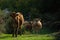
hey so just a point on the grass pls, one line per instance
(26, 37)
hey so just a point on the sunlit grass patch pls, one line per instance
(26, 37)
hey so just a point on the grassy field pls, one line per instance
(26, 37)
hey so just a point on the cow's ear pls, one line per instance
(16, 14)
(40, 19)
(13, 14)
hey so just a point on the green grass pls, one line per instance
(26, 37)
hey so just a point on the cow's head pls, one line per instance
(13, 14)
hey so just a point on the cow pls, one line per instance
(33, 26)
(27, 26)
(17, 20)
(36, 25)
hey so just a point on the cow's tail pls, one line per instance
(18, 22)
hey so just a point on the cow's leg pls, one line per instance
(33, 29)
(13, 33)
(20, 30)
(16, 32)
(37, 31)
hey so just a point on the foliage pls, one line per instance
(2, 22)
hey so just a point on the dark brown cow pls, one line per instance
(17, 20)
(36, 25)
(28, 26)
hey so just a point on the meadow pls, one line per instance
(26, 37)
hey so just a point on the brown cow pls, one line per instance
(17, 20)
(36, 25)
(28, 26)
